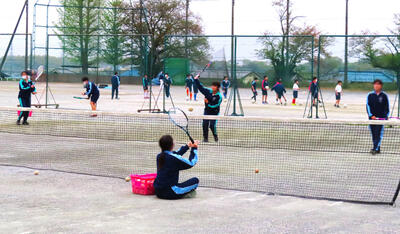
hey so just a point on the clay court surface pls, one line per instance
(131, 99)
(54, 202)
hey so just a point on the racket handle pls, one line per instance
(191, 139)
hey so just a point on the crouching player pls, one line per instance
(93, 93)
(169, 163)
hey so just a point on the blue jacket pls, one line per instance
(115, 80)
(214, 100)
(25, 89)
(378, 105)
(168, 174)
(91, 89)
(278, 88)
(225, 84)
(189, 82)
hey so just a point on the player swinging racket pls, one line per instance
(264, 88)
(377, 108)
(92, 92)
(26, 88)
(225, 84)
(169, 163)
(212, 101)
(189, 87)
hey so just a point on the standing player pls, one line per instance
(377, 108)
(169, 163)
(115, 82)
(189, 87)
(338, 93)
(314, 91)
(295, 91)
(145, 83)
(265, 87)
(212, 101)
(167, 81)
(280, 91)
(92, 92)
(26, 88)
(254, 89)
(195, 89)
(225, 84)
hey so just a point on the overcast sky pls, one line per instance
(258, 16)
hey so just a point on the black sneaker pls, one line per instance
(18, 122)
(378, 151)
(205, 140)
(373, 152)
(25, 123)
(216, 138)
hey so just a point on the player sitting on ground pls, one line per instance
(169, 163)
(279, 90)
(26, 88)
(225, 84)
(92, 92)
(377, 108)
(295, 91)
(145, 83)
(189, 87)
(254, 89)
(265, 87)
(338, 93)
(212, 101)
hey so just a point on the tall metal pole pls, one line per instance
(287, 39)
(186, 28)
(346, 45)
(26, 32)
(233, 59)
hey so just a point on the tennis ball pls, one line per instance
(127, 179)
(36, 172)
(190, 109)
(256, 171)
(225, 100)
(345, 105)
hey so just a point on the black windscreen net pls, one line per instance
(308, 158)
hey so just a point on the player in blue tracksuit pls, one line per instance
(115, 83)
(225, 84)
(189, 87)
(195, 89)
(254, 89)
(167, 84)
(314, 89)
(145, 84)
(93, 93)
(280, 91)
(169, 163)
(377, 108)
(212, 101)
(26, 88)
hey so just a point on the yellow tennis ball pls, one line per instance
(36, 172)
(190, 109)
(127, 179)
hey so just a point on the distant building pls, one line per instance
(368, 76)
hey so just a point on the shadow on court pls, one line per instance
(60, 202)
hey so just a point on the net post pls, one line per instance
(47, 69)
(396, 194)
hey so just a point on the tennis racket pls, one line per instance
(206, 67)
(39, 73)
(76, 97)
(180, 119)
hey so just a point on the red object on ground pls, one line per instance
(143, 184)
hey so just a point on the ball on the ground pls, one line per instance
(190, 109)
(127, 179)
(225, 100)
(36, 172)
(345, 105)
(256, 171)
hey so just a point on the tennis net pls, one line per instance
(307, 158)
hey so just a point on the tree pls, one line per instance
(165, 17)
(294, 47)
(81, 18)
(114, 42)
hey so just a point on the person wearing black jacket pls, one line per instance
(26, 88)
(212, 102)
(377, 109)
(115, 83)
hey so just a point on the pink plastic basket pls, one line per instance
(30, 113)
(143, 184)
